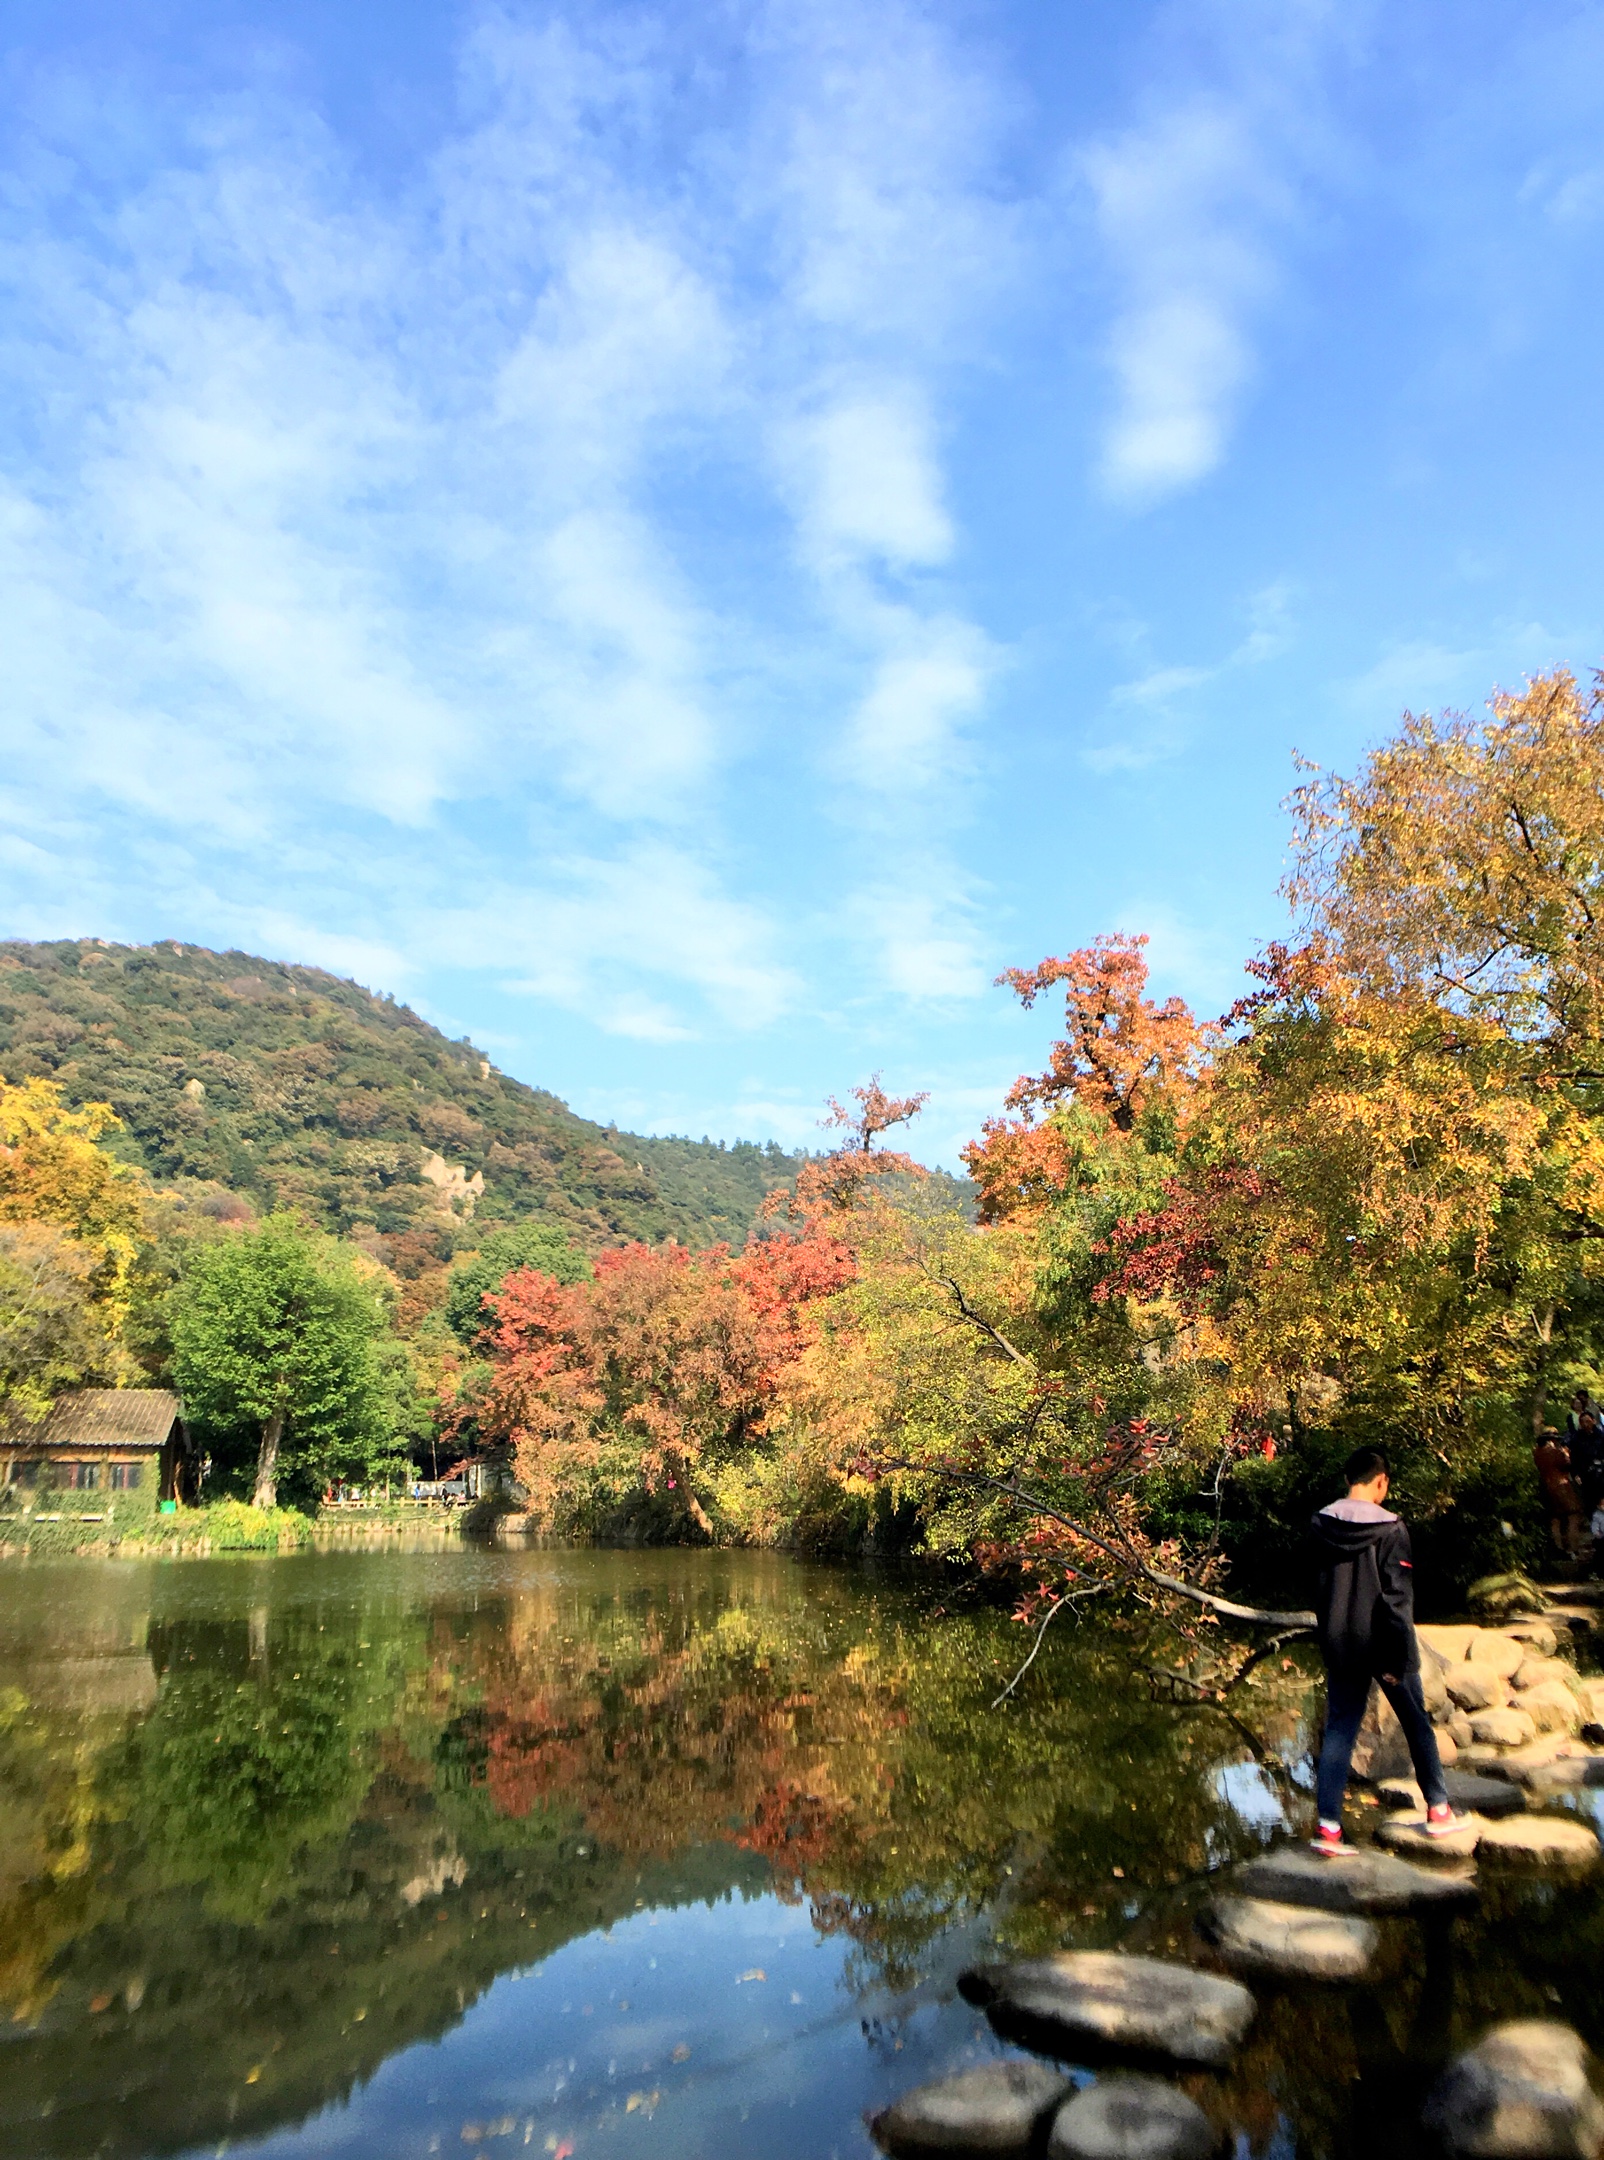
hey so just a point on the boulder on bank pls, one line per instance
(1475, 1687)
(1448, 1644)
(1523, 2092)
(1367, 1882)
(1534, 1667)
(1099, 2000)
(1296, 1942)
(1553, 1706)
(1503, 1728)
(1537, 1635)
(1129, 2117)
(1492, 1647)
(998, 2108)
(1520, 1765)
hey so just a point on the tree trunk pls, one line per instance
(267, 1461)
(1543, 1322)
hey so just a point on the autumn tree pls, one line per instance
(274, 1333)
(668, 1358)
(55, 1168)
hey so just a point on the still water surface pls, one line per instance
(616, 1853)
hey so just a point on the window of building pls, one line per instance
(80, 1476)
(125, 1476)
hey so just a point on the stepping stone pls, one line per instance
(1557, 1838)
(1098, 1999)
(1520, 1765)
(1521, 2093)
(1568, 1771)
(1483, 1795)
(1407, 1833)
(1367, 1882)
(998, 2108)
(1467, 1791)
(1298, 1942)
(1129, 2117)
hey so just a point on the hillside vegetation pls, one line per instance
(302, 1091)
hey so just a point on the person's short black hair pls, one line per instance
(1364, 1464)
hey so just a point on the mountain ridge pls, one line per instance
(294, 1087)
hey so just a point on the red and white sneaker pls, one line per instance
(1443, 1820)
(1328, 1839)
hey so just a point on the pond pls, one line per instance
(600, 1853)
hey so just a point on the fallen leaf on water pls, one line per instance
(682, 2053)
(757, 1973)
(97, 2003)
(472, 2133)
(251, 2076)
(642, 2100)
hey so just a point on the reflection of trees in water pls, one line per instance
(338, 1824)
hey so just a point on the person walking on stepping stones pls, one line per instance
(1365, 1611)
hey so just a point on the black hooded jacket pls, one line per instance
(1364, 1592)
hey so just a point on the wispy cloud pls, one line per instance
(1194, 203)
(1150, 716)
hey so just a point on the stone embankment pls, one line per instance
(1521, 1728)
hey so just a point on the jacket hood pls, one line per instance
(1348, 1526)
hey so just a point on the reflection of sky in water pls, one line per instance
(712, 2029)
(1245, 1789)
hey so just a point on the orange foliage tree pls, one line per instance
(664, 1363)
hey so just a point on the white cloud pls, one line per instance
(869, 484)
(1193, 203)
(591, 934)
(904, 736)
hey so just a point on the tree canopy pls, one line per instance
(274, 1339)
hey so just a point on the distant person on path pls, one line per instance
(1365, 1610)
(1581, 1404)
(1562, 1496)
(1587, 1459)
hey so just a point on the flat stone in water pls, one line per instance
(1299, 1942)
(1521, 2093)
(998, 2108)
(1569, 1770)
(1129, 2117)
(1408, 1834)
(1366, 1882)
(1098, 1999)
(1466, 1790)
(1558, 1838)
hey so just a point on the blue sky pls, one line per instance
(682, 541)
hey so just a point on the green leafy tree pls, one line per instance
(533, 1245)
(275, 1337)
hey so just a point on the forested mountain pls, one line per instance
(298, 1089)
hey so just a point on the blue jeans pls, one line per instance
(1346, 1697)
